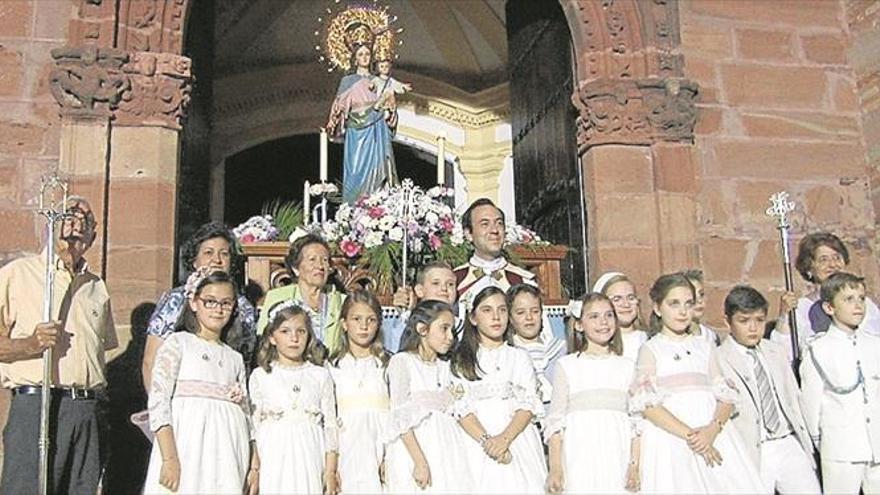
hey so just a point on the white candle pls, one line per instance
(307, 203)
(441, 159)
(323, 162)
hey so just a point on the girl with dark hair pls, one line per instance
(685, 400)
(358, 370)
(423, 436)
(589, 407)
(294, 407)
(819, 256)
(308, 261)
(199, 409)
(211, 248)
(498, 401)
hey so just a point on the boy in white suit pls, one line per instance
(841, 381)
(768, 414)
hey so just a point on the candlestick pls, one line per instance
(441, 159)
(323, 155)
(307, 203)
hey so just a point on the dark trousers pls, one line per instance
(74, 446)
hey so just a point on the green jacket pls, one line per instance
(330, 335)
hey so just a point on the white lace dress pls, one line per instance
(421, 401)
(295, 421)
(589, 407)
(683, 376)
(199, 390)
(507, 384)
(362, 406)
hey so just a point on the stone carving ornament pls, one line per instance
(158, 91)
(635, 111)
(88, 82)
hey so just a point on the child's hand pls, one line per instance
(404, 298)
(701, 439)
(555, 481)
(331, 483)
(422, 475)
(506, 458)
(712, 457)
(633, 480)
(252, 482)
(169, 475)
(407, 86)
(496, 446)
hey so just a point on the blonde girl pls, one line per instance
(589, 407)
(294, 407)
(358, 370)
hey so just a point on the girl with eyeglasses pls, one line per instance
(199, 409)
(618, 288)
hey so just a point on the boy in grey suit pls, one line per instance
(768, 414)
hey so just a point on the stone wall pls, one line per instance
(778, 111)
(29, 123)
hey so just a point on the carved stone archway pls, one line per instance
(635, 135)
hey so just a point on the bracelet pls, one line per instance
(719, 424)
(484, 438)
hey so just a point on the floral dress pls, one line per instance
(295, 422)
(199, 390)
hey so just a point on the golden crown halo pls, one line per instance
(353, 26)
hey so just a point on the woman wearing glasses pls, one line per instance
(820, 255)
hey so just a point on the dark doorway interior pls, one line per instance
(277, 169)
(548, 189)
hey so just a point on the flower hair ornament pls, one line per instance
(281, 306)
(195, 278)
(575, 308)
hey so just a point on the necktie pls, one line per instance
(765, 392)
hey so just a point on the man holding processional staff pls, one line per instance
(80, 332)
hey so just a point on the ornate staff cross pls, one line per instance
(780, 207)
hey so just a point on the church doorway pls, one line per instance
(501, 102)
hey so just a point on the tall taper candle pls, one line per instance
(307, 204)
(323, 170)
(441, 159)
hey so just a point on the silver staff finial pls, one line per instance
(53, 194)
(780, 207)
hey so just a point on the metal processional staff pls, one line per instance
(779, 209)
(52, 204)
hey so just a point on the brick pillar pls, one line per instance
(127, 168)
(640, 182)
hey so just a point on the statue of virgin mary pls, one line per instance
(355, 119)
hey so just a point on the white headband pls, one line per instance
(600, 284)
(575, 308)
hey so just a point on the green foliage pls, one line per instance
(383, 262)
(286, 215)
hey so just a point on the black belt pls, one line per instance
(75, 393)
